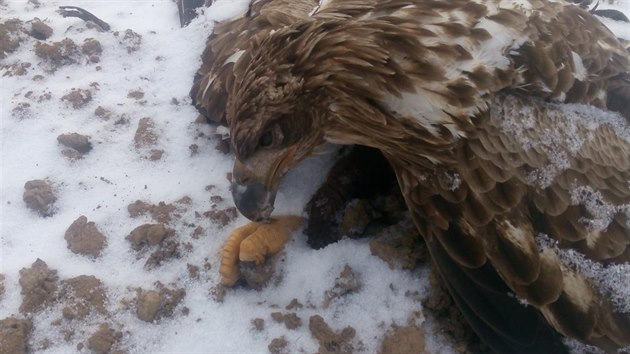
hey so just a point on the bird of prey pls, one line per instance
(478, 106)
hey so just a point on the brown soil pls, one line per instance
(152, 305)
(39, 286)
(347, 282)
(136, 94)
(161, 212)
(290, 320)
(77, 98)
(408, 339)
(257, 277)
(103, 340)
(130, 39)
(39, 196)
(40, 30)
(16, 69)
(400, 246)
(84, 294)
(329, 341)
(259, 324)
(278, 346)
(1, 286)
(222, 217)
(11, 35)
(92, 49)
(84, 238)
(14, 333)
(58, 54)
(148, 235)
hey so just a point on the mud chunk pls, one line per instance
(408, 339)
(58, 54)
(11, 34)
(148, 235)
(329, 341)
(222, 217)
(78, 142)
(92, 49)
(1, 286)
(103, 113)
(356, 218)
(294, 304)
(168, 249)
(130, 39)
(347, 282)
(38, 196)
(193, 271)
(145, 133)
(399, 246)
(102, 341)
(153, 305)
(40, 30)
(258, 276)
(77, 98)
(156, 154)
(84, 238)
(85, 293)
(160, 212)
(14, 334)
(194, 149)
(16, 69)
(22, 111)
(136, 94)
(39, 286)
(259, 324)
(278, 346)
(290, 320)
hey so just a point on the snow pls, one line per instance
(115, 174)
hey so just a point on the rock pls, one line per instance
(329, 341)
(40, 30)
(38, 196)
(14, 334)
(39, 286)
(408, 339)
(78, 142)
(84, 238)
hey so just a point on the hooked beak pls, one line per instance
(255, 183)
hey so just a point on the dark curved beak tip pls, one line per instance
(253, 201)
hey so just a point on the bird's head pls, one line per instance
(273, 126)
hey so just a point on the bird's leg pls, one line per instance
(253, 243)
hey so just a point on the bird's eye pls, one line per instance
(266, 139)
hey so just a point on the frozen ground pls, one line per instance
(134, 79)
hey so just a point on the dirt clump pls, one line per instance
(347, 282)
(85, 293)
(147, 137)
(168, 249)
(130, 40)
(290, 320)
(39, 196)
(39, 286)
(259, 324)
(104, 339)
(409, 339)
(14, 333)
(1, 286)
(16, 69)
(222, 217)
(294, 304)
(278, 346)
(258, 276)
(40, 30)
(162, 212)
(148, 235)
(11, 35)
(77, 98)
(152, 305)
(329, 341)
(103, 113)
(92, 49)
(58, 54)
(400, 246)
(136, 94)
(77, 142)
(84, 238)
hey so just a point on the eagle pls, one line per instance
(476, 106)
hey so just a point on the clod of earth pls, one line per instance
(92, 49)
(148, 235)
(329, 341)
(84, 294)
(152, 305)
(222, 217)
(58, 54)
(399, 246)
(130, 39)
(39, 286)
(409, 339)
(2, 277)
(77, 98)
(347, 282)
(84, 238)
(102, 341)
(290, 320)
(11, 35)
(278, 346)
(78, 142)
(161, 212)
(38, 196)
(40, 30)
(14, 335)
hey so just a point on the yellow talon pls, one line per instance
(253, 243)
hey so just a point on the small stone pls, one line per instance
(84, 238)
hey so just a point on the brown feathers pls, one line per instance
(468, 102)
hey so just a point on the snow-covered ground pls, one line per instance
(118, 171)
